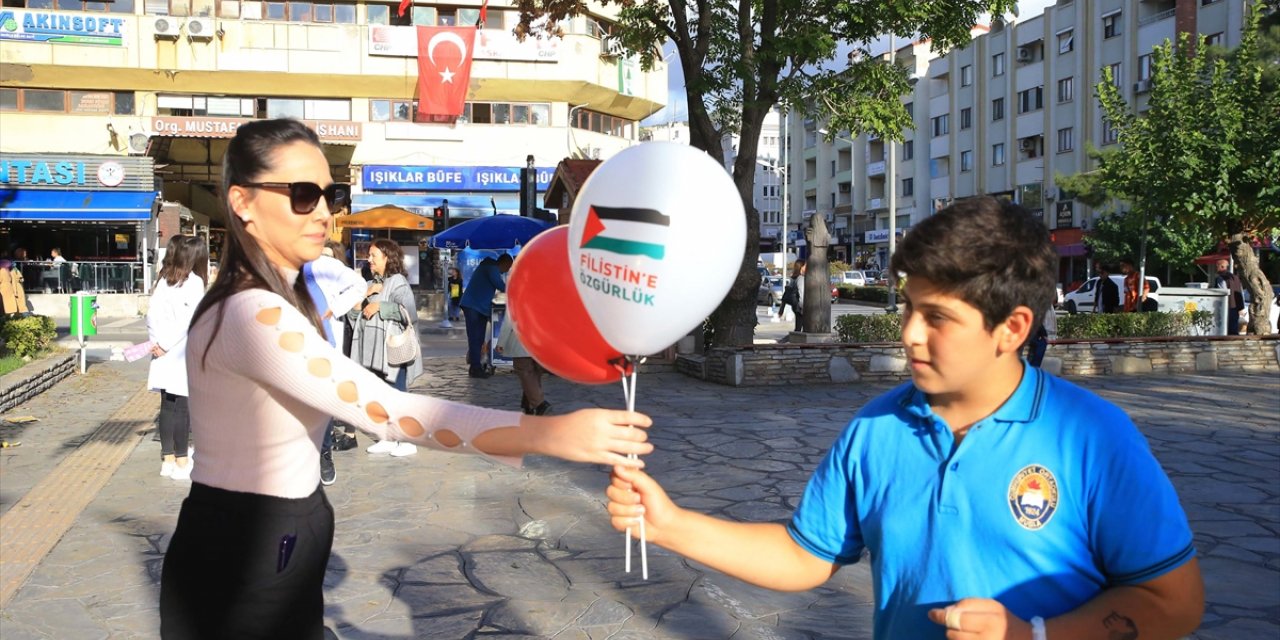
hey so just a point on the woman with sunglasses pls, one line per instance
(248, 556)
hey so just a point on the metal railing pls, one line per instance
(1157, 17)
(81, 275)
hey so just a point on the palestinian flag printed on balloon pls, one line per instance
(627, 231)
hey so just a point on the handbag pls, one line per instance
(403, 347)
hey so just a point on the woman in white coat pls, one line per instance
(174, 300)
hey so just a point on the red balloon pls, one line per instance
(551, 320)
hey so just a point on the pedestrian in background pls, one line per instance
(793, 294)
(527, 370)
(1133, 299)
(388, 306)
(1107, 298)
(248, 556)
(1235, 295)
(178, 291)
(455, 294)
(342, 289)
(477, 306)
(991, 499)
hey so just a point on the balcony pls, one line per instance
(1156, 17)
(875, 203)
(876, 168)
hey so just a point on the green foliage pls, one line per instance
(28, 336)
(742, 59)
(1090, 326)
(870, 294)
(837, 267)
(880, 327)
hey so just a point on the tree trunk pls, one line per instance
(1254, 280)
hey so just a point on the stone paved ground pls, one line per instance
(442, 547)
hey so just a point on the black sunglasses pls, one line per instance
(304, 196)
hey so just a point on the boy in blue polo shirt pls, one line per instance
(995, 500)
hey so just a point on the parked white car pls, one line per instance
(1081, 300)
(855, 278)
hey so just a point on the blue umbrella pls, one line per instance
(499, 231)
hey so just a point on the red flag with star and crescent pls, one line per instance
(444, 69)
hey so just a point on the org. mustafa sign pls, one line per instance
(61, 27)
(378, 177)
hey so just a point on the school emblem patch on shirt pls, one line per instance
(1033, 496)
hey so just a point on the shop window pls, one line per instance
(44, 100)
(89, 101)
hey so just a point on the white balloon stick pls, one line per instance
(629, 396)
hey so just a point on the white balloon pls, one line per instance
(656, 239)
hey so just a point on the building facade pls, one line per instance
(171, 80)
(767, 193)
(1004, 116)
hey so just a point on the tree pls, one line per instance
(1202, 159)
(741, 59)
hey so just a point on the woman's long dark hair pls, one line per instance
(244, 265)
(184, 256)
(395, 257)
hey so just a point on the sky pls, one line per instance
(677, 109)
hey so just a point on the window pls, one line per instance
(74, 5)
(1145, 66)
(1115, 74)
(601, 123)
(997, 64)
(908, 187)
(942, 125)
(1213, 39)
(908, 149)
(1066, 42)
(966, 118)
(44, 100)
(1031, 146)
(966, 75)
(1031, 99)
(1109, 133)
(1111, 25)
(833, 167)
(939, 168)
(8, 99)
(911, 110)
(1065, 90)
(1205, 3)
(997, 154)
(1065, 142)
(966, 161)
(997, 109)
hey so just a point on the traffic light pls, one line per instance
(439, 219)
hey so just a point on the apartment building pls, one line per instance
(767, 193)
(1005, 115)
(140, 97)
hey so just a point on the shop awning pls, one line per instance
(37, 205)
(1071, 250)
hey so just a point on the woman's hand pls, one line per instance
(370, 310)
(373, 288)
(633, 494)
(157, 351)
(601, 436)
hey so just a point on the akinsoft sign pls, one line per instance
(62, 27)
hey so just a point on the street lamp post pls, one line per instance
(891, 178)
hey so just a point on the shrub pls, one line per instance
(880, 327)
(870, 294)
(29, 336)
(1087, 326)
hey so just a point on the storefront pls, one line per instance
(95, 210)
(471, 192)
(1068, 241)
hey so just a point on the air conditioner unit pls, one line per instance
(166, 28)
(1027, 144)
(1142, 86)
(138, 143)
(1025, 54)
(200, 28)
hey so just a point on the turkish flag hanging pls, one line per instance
(444, 69)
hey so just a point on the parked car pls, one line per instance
(855, 278)
(770, 291)
(1081, 300)
(881, 279)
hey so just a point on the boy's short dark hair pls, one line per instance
(990, 253)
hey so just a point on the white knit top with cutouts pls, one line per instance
(262, 397)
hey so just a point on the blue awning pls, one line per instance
(42, 204)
